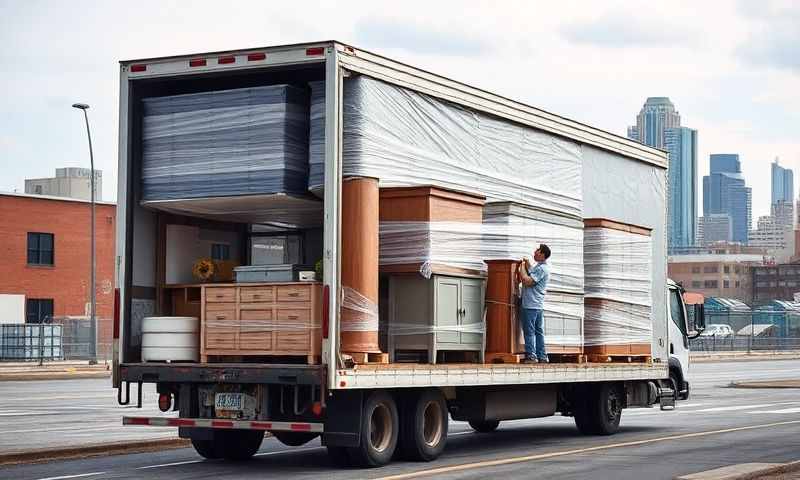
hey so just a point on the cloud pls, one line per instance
(619, 30)
(776, 40)
(405, 35)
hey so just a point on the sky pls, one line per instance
(731, 68)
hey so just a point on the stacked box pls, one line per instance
(316, 139)
(618, 280)
(247, 141)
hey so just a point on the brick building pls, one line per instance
(45, 247)
(775, 282)
(716, 275)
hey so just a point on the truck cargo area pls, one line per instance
(315, 240)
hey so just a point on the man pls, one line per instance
(534, 285)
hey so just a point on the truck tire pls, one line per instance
(484, 426)
(599, 409)
(294, 439)
(379, 431)
(230, 444)
(423, 426)
(206, 449)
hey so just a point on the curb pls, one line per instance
(28, 376)
(727, 473)
(768, 384)
(743, 357)
(73, 453)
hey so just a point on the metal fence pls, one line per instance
(56, 338)
(748, 331)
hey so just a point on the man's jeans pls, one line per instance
(533, 331)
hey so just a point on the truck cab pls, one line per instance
(687, 321)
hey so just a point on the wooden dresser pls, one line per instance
(261, 319)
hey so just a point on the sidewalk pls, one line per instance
(58, 370)
(743, 355)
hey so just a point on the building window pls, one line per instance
(736, 270)
(761, 284)
(37, 189)
(738, 283)
(791, 283)
(782, 283)
(726, 283)
(712, 269)
(38, 309)
(220, 251)
(773, 283)
(40, 248)
(710, 284)
(696, 284)
(695, 269)
(760, 272)
(726, 269)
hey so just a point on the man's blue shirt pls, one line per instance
(533, 296)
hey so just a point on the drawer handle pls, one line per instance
(219, 295)
(220, 317)
(256, 295)
(292, 317)
(294, 294)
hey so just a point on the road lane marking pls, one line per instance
(19, 413)
(542, 456)
(188, 462)
(785, 410)
(734, 408)
(64, 477)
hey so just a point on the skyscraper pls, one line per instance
(657, 115)
(658, 124)
(782, 183)
(681, 143)
(725, 192)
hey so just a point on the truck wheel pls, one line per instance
(206, 449)
(238, 444)
(599, 410)
(423, 431)
(675, 384)
(484, 426)
(294, 439)
(379, 426)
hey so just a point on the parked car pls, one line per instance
(717, 330)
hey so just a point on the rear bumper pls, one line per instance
(222, 373)
(224, 424)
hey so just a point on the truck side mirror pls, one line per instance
(698, 321)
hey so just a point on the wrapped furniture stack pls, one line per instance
(618, 275)
(249, 141)
(434, 306)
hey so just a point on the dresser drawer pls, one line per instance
(294, 342)
(257, 294)
(221, 294)
(220, 315)
(293, 315)
(294, 293)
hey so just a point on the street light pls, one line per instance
(93, 329)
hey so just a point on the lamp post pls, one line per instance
(93, 299)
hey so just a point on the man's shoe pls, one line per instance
(543, 360)
(529, 361)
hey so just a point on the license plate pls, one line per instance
(230, 405)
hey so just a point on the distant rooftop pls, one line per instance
(658, 101)
(51, 197)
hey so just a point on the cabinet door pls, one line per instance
(472, 305)
(447, 306)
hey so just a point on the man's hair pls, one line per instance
(545, 250)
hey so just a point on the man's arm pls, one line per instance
(527, 280)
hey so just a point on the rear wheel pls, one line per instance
(424, 424)
(230, 444)
(294, 439)
(484, 426)
(379, 432)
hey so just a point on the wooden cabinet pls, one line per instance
(443, 313)
(262, 319)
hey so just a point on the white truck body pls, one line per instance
(639, 199)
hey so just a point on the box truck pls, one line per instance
(302, 248)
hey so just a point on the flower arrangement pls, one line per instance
(203, 269)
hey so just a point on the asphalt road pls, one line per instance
(718, 426)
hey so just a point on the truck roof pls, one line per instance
(548, 121)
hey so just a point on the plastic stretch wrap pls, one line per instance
(232, 142)
(417, 329)
(261, 325)
(563, 319)
(466, 245)
(316, 137)
(365, 312)
(613, 323)
(617, 265)
(407, 138)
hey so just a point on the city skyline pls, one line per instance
(725, 191)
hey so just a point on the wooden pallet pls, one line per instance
(519, 357)
(620, 358)
(363, 358)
